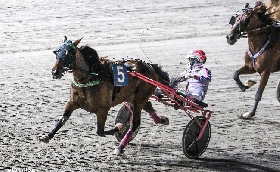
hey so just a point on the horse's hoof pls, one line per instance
(45, 139)
(176, 106)
(164, 120)
(99, 133)
(243, 89)
(246, 115)
(250, 83)
(118, 151)
(120, 127)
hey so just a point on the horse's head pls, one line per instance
(248, 20)
(65, 57)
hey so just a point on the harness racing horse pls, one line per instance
(93, 88)
(263, 54)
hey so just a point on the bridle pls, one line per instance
(246, 12)
(65, 61)
(242, 19)
(239, 31)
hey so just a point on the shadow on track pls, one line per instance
(215, 164)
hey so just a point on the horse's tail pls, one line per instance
(163, 76)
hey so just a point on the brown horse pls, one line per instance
(93, 87)
(263, 54)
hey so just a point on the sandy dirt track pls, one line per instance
(159, 31)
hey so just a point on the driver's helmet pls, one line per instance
(196, 56)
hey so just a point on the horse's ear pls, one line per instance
(232, 20)
(259, 7)
(77, 42)
(65, 39)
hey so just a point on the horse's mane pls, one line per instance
(90, 55)
(163, 76)
(97, 65)
(263, 13)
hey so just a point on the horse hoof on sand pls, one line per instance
(164, 120)
(45, 139)
(246, 115)
(120, 127)
(118, 152)
(250, 83)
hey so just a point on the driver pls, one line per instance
(197, 76)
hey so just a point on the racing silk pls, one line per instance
(198, 86)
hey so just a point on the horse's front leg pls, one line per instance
(70, 107)
(264, 78)
(242, 71)
(101, 120)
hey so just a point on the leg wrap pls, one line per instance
(258, 95)
(59, 124)
(126, 138)
(155, 117)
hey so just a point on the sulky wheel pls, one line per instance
(192, 147)
(278, 91)
(123, 117)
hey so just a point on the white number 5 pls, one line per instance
(120, 74)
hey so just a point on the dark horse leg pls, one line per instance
(246, 69)
(243, 70)
(70, 107)
(263, 81)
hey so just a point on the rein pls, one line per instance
(258, 29)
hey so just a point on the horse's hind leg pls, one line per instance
(157, 119)
(133, 127)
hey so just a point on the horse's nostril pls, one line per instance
(54, 72)
(230, 37)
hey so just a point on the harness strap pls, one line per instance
(87, 84)
(253, 57)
